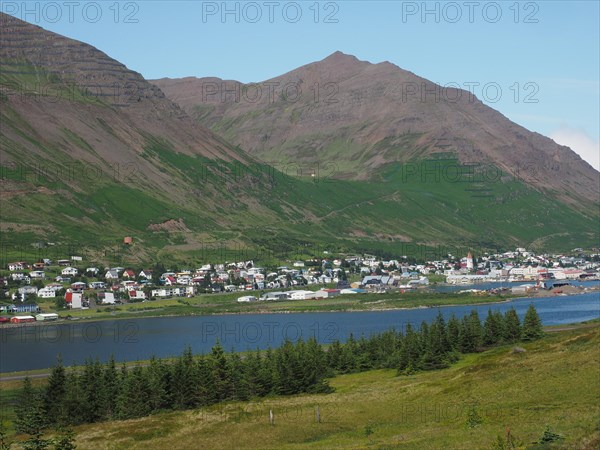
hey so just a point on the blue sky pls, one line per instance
(546, 51)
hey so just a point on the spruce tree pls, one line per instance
(348, 362)
(74, 402)
(532, 325)
(55, 393)
(159, 380)
(110, 390)
(315, 368)
(220, 373)
(334, 355)
(253, 366)
(499, 323)
(411, 350)
(238, 375)
(134, 401)
(31, 417)
(492, 329)
(205, 385)
(476, 329)
(92, 386)
(467, 342)
(267, 372)
(364, 358)
(512, 326)
(182, 381)
(437, 346)
(454, 333)
(29, 410)
(288, 369)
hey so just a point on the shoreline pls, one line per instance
(132, 315)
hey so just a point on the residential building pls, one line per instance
(46, 293)
(69, 271)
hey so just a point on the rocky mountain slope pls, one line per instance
(360, 116)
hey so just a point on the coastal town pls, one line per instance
(42, 290)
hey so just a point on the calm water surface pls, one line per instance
(36, 347)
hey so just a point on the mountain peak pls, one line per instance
(339, 56)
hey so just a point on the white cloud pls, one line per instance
(580, 142)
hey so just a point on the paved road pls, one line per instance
(22, 377)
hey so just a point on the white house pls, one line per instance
(74, 299)
(522, 289)
(466, 278)
(327, 293)
(167, 292)
(69, 271)
(146, 273)
(93, 271)
(568, 274)
(16, 266)
(19, 276)
(111, 275)
(184, 279)
(78, 286)
(46, 293)
(247, 298)
(255, 270)
(28, 289)
(274, 296)
(301, 295)
(136, 294)
(106, 298)
(37, 274)
(190, 291)
(54, 286)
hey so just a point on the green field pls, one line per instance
(466, 406)
(208, 304)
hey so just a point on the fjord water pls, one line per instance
(37, 347)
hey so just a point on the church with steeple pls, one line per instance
(470, 265)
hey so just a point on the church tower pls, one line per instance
(470, 265)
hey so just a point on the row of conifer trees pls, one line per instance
(99, 392)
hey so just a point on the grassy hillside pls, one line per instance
(258, 208)
(555, 383)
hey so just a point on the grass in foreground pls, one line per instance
(554, 382)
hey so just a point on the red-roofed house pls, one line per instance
(128, 273)
(136, 294)
(74, 299)
(170, 281)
